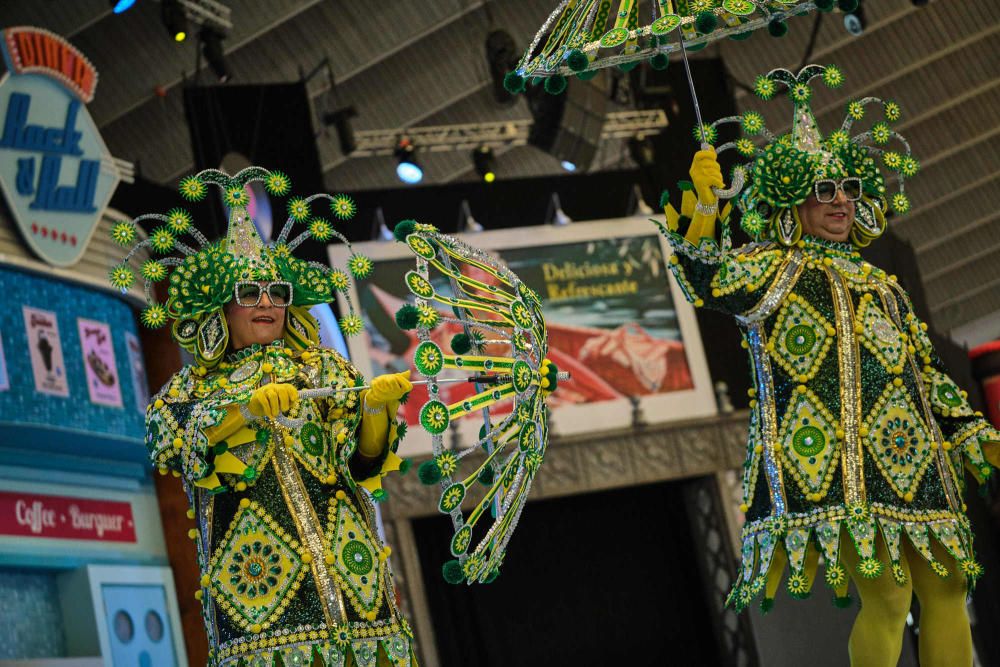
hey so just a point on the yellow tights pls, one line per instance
(945, 637)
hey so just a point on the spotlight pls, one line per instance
(408, 170)
(341, 121)
(556, 216)
(484, 161)
(119, 6)
(174, 19)
(855, 22)
(211, 47)
(567, 165)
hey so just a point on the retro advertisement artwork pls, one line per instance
(615, 322)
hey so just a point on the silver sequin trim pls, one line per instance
(769, 420)
(788, 275)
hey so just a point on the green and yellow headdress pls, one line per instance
(202, 281)
(781, 173)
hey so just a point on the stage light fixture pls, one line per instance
(568, 166)
(408, 170)
(174, 19)
(119, 6)
(854, 22)
(211, 48)
(484, 161)
(556, 215)
(341, 122)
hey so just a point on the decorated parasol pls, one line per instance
(502, 349)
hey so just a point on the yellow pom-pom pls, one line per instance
(341, 437)
(241, 486)
(923, 326)
(255, 628)
(341, 495)
(751, 392)
(267, 367)
(178, 443)
(206, 581)
(193, 533)
(744, 508)
(911, 349)
(745, 344)
(908, 496)
(307, 557)
(786, 179)
(387, 550)
(244, 503)
(770, 346)
(898, 382)
(793, 297)
(859, 329)
(329, 559)
(827, 261)
(223, 382)
(289, 440)
(803, 378)
(173, 392)
(198, 595)
(545, 383)
(716, 292)
(674, 260)
(801, 389)
(758, 449)
(175, 473)
(800, 243)
(863, 432)
(698, 303)
(831, 331)
(189, 514)
(867, 296)
(839, 433)
(753, 403)
(892, 278)
(331, 478)
(934, 445)
(947, 445)
(163, 470)
(158, 403)
(371, 615)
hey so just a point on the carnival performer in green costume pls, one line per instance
(858, 437)
(291, 563)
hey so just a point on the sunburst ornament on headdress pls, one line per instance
(782, 171)
(202, 280)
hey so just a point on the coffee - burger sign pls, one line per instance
(55, 170)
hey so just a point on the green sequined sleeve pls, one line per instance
(965, 430)
(732, 281)
(175, 429)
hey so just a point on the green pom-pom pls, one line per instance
(664, 198)
(405, 466)
(842, 602)
(766, 605)
(588, 75)
(429, 473)
(777, 28)
(513, 82)
(577, 60)
(847, 6)
(824, 5)
(555, 85)
(740, 36)
(628, 67)
(452, 572)
(406, 317)
(460, 344)
(705, 22)
(684, 186)
(404, 229)
(659, 62)
(380, 495)
(492, 576)
(486, 476)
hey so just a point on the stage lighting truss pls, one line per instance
(469, 136)
(208, 12)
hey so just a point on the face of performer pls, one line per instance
(263, 323)
(830, 221)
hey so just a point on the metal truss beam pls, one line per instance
(617, 125)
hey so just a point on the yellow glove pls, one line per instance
(272, 399)
(388, 388)
(706, 174)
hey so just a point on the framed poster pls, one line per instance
(97, 347)
(45, 350)
(616, 321)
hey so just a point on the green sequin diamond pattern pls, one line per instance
(898, 439)
(881, 337)
(254, 568)
(809, 434)
(801, 341)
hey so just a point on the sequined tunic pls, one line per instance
(290, 561)
(855, 424)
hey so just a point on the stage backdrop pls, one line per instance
(616, 321)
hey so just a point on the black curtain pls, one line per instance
(604, 578)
